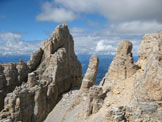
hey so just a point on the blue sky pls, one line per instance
(97, 26)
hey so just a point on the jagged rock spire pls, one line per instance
(122, 66)
(90, 75)
(54, 69)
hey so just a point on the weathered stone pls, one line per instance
(129, 92)
(2, 81)
(22, 70)
(10, 72)
(31, 79)
(55, 70)
(122, 66)
(150, 82)
(125, 48)
(35, 59)
(11, 75)
(90, 75)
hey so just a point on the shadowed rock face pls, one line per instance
(35, 59)
(55, 70)
(11, 75)
(90, 76)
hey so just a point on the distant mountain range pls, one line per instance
(104, 62)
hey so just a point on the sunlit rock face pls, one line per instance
(54, 69)
(149, 85)
(90, 76)
(122, 66)
(130, 91)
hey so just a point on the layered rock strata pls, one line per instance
(54, 70)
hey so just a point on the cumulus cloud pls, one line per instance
(77, 30)
(95, 43)
(102, 46)
(126, 19)
(114, 10)
(55, 14)
(135, 28)
(12, 44)
(85, 44)
(128, 10)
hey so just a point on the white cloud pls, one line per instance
(130, 10)
(89, 43)
(135, 28)
(55, 14)
(85, 44)
(77, 30)
(98, 43)
(12, 44)
(102, 46)
(115, 10)
(126, 19)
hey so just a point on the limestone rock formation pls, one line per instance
(31, 79)
(54, 70)
(85, 102)
(90, 76)
(35, 59)
(11, 75)
(122, 66)
(149, 85)
(129, 92)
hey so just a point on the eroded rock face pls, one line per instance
(143, 90)
(90, 76)
(149, 85)
(11, 75)
(122, 66)
(31, 79)
(130, 92)
(55, 70)
(35, 59)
